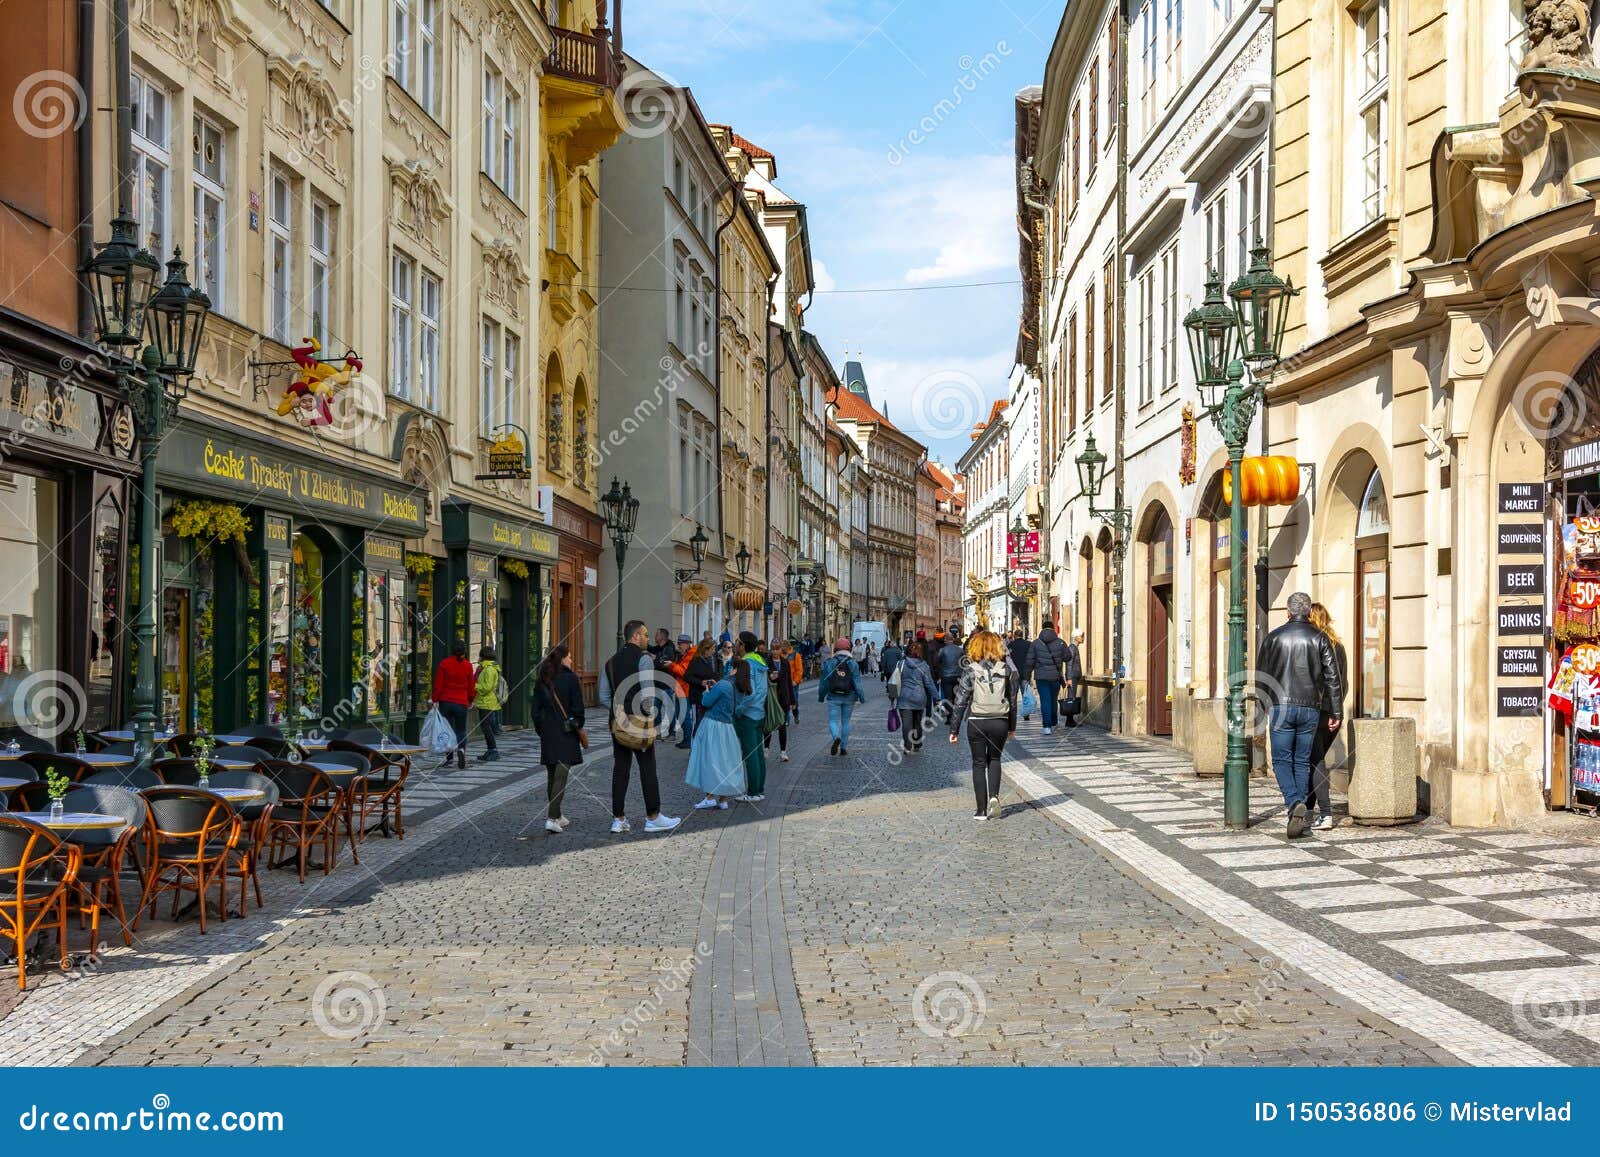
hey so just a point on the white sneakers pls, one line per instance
(620, 826)
(994, 807)
(1323, 824)
(553, 827)
(784, 755)
(706, 805)
(662, 823)
(1046, 730)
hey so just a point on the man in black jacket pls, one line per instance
(948, 665)
(1047, 659)
(1296, 673)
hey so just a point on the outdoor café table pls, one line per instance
(311, 744)
(101, 758)
(395, 748)
(73, 821)
(344, 778)
(8, 754)
(123, 735)
(237, 795)
(233, 740)
(8, 784)
(228, 764)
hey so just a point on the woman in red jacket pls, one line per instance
(454, 685)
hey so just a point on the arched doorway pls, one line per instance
(1352, 579)
(1157, 538)
(1212, 557)
(1083, 616)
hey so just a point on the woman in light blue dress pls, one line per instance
(716, 765)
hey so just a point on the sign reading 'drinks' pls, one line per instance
(1518, 702)
(1521, 538)
(1519, 621)
(1521, 497)
(1522, 579)
(1521, 662)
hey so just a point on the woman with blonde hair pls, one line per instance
(986, 701)
(1328, 724)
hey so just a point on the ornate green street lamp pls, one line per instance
(1091, 478)
(741, 562)
(121, 278)
(1221, 341)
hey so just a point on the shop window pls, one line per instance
(305, 632)
(29, 529)
(187, 635)
(1372, 601)
(105, 614)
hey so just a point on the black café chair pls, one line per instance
(272, 746)
(30, 797)
(258, 731)
(257, 818)
(177, 772)
(306, 816)
(68, 765)
(192, 834)
(132, 778)
(350, 788)
(241, 751)
(99, 743)
(37, 874)
(106, 853)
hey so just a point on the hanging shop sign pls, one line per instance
(1521, 497)
(1022, 550)
(508, 455)
(275, 532)
(1520, 662)
(1521, 538)
(469, 526)
(1522, 578)
(1519, 702)
(213, 460)
(480, 567)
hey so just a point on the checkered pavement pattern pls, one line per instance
(1502, 926)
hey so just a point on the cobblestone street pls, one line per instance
(859, 916)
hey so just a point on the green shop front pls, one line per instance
(497, 580)
(285, 594)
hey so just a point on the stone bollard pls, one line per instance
(1208, 725)
(1383, 773)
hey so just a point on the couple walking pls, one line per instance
(1301, 675)
(728, 760)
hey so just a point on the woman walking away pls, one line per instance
(454, 686)
(918, 692)
(749, 714)
(986, 701)
(840, 688)
(558, 718)
(487, 699)
(1328, 725)
(716, 763)
(783, 683)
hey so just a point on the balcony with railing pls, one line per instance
(586, 57)
(582, 74)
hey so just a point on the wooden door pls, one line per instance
(1158, 685)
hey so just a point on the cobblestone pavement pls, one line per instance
(858, 916)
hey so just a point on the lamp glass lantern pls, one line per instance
(176, 319)
(616, 504)
(122, 278)
(1091, 470)
(742, 561)
(1213, 330)
(1261, 308)
(697, 545)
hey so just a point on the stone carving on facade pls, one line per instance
(418, 204)
(1558, 35)
(504, 276)
(580, 447)
(424, 136)
(304, 107)
(1469, 347)
(1556, 296)
(507, 217)
(204, 34)
(319, 31)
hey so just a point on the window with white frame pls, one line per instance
(1221, 17)
(492, 95)
(1216, 222)
(508, 380)
(510, 143)
(152, 164)
(489, 377)
(427, 85)
(280, 257)
(1148, 65)
(1504, 78)
(402, 278)
(210, 209)
(1249, 198)
(319, 287)
(1147, 334)
(428, 342)
(1172, 30)
(1372, 113)
(400, 42)
(414, 50)
(1169, 317)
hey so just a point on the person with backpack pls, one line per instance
(627, 686)
(488, 698)
(1049, 661)
(986, 701)
(840, 688)
(948, 664)
(892, 658)
(913, 692)
(749, 717)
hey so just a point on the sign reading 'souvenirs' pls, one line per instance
(1520, 613)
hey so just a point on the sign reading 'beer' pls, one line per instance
(1522, 579)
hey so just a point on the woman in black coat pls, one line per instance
(1329, 719)
(558, 718)
(701, 672)
(782, 676)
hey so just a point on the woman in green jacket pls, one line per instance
(488, 701)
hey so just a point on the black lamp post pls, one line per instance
(154, 381)
(697, 551)
(1222, 339)
(622, 516)
(1091, 479)
(741, 562)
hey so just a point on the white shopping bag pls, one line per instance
(437, 734)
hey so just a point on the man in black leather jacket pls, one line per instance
(1295, 674)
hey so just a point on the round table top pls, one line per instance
(8, 754)
(234, 740)
(73, 821)
(396, 748)
(8, 784)
(123, 735)
(311, 744)
(334, 770)
(228, 764)
(238, 794)
(101, 758)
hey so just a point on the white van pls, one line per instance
(875, 633)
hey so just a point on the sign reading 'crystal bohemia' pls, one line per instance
(1521, 662)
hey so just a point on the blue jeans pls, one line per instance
(1049, 701)
(1293, 731)
(839, 712)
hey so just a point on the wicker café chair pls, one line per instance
(68, 765)
(30, 797)
(306, 816)
(37, 874)
(349, 790)
(258, 731)
(107, 853)
(192, 835)
(178, 772)
(132, 778)
(381, 790)
(257, 820)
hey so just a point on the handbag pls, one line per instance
(773, 716)
(894, 719)
(1070, 705)
(635, 730)
(568, 724)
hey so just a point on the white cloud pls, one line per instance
(820, 274)
(971, 211)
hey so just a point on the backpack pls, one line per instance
(774, 716)
(989, 692)
(839, 680)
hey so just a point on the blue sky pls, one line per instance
(835, 89)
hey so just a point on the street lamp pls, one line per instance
(121, 278)
(741, 561)
(622, 516)
(1091, 479)
(697, 551)
(1221, 341)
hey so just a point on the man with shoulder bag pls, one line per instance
(623, 692)
(1050, 662)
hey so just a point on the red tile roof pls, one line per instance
(855, 408)
(754, 150)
